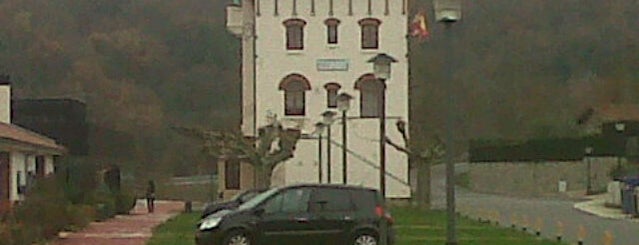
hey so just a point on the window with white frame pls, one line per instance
(370, 90)
(332, 25)
(294, 87)
(331, 94)
(294, 34)
(370, 33)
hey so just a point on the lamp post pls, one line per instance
(448, 12)
(343, 104)
(327, 120)
(620, 127)
(319, 128)
(588, 152)
(382, 71)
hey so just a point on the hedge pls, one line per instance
(560, 149)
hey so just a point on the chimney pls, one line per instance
(5, 99)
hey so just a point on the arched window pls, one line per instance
(370, 33)
(294, 34)
(370, 97)
(332, 25)
(294, 87)
(331, 94)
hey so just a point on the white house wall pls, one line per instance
(17, 165)
(31, 163)
(274, 62)
(5, 103)
(49, 167)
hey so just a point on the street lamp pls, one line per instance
(448, 12)
(620, 127)
(319, 129)
(382, 71)
(588, 152)
(327, 120)
(343, 104)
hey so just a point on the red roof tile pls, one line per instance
(617, 112)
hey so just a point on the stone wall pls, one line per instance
(534, 179)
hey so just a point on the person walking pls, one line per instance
(150, 196)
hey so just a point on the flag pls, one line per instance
(419, 27)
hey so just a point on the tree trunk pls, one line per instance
(263, 177)
(422, 191)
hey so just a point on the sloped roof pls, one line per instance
(617, 112)
(15, 133)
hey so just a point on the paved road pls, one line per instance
(133, 229)
(550, 211)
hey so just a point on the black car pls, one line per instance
(301, 214)
(235, 202)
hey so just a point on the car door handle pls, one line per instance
(301, 219)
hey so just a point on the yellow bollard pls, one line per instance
(608, 239)
(493, 217)
(538, 226)
(525, 223)
(483, 216)
(560, 230)
(581, 235)
(513, 221)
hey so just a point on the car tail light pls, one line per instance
(380, 212)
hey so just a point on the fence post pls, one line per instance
(539, 226)
(560, 230)
(581, 235)
(608, 238)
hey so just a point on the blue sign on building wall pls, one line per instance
(332, 65)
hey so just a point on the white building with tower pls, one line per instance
(297, 57)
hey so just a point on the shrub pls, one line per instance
(80, 216)
(6, 233)
(41, 215)
(124, 202)
(44, 209)
(19, 234)
(68, 200)
(79, 180)
(104, 203)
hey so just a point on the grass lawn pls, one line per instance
(413, 227)
(429, 227)
(176, 231)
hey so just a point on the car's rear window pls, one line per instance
(364, 199)
(331, 200)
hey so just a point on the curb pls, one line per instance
(591, 207)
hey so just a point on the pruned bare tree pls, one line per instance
(422, 155)
(273, 146)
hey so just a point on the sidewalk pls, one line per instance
(596, 206)
(132, 229)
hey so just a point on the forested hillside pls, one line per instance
(528, 68)
(523, 68)
(140, 65)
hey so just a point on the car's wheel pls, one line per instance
(365, 238)
(237, 237)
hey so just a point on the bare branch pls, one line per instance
(401, 127)
(398, 147)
